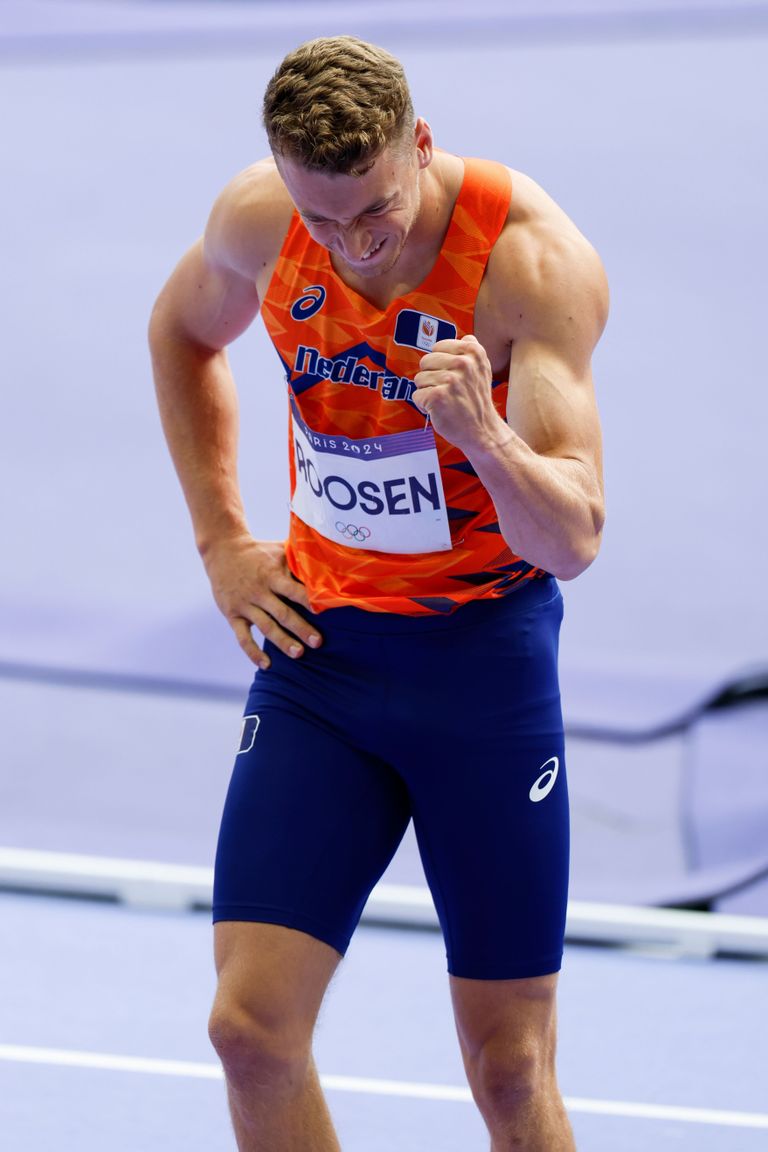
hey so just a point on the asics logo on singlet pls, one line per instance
(352, 532)
(250, 727)
(545, 782)
(310, 302)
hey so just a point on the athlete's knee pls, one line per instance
(271, 983)
(507, 1030)
(506, 1079)
(260, 1044)
(512, 1074)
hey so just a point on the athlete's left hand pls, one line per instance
(453, 388)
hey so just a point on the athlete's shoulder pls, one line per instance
(542, 260)
(249, 220)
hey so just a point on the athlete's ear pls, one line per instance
(424, 143)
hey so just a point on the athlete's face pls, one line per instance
(365, 221)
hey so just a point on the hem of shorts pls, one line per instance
(496, 970)
(258, 914)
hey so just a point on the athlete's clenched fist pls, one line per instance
(453, 388)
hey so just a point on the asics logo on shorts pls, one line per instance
(248, 733)
(352, 532)
(545, 782)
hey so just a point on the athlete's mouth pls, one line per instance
(372, 251)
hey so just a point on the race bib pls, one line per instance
(382, 493)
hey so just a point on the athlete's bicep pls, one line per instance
(205, 300)
(562, 314)
(551, 404)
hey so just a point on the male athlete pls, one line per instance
(435, 319)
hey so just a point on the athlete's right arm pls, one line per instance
(209, 300)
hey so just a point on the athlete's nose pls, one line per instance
(355, 241)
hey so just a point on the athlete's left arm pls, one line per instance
(543, 466)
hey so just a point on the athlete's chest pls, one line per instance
(376, 358)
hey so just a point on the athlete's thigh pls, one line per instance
(309, 825)
(495, 849)
(491, 808)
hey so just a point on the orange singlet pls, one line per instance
(385, 514)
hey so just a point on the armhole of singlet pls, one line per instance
(293, 226)
(498, 180)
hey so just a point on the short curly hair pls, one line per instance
(336, 103)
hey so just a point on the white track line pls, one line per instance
(60, 1057)
(66, 1058)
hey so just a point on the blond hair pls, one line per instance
(336, 103)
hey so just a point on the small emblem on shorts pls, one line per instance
(545, 782)
(248, 733)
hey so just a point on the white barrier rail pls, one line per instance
(152, 884)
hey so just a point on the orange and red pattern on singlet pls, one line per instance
(349, 376)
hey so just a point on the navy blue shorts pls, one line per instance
(453, 722)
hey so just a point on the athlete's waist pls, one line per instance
(527, 594)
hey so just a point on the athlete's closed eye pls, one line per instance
(375, 210)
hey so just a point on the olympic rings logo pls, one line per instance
(351, 532)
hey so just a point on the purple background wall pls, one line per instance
(121, 123)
